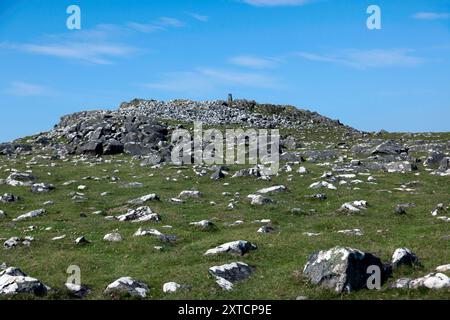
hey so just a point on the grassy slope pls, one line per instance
(278, 260)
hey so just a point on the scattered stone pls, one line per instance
(2, 214)
(31, 214)
(59, 237)
(127, 286)
(140, 214)
(204, 225)
(402, 283)
(440, 209)
(404, 256)
(239, 247)
(353, 207)
(266, 229)
(189, 194)
(257, 199)
(8, 197)
(76, 290)
(143, 199)
(16, 241)
(342, 269)
(42, 187)
(431, 281)
(228, 274)
(273, 189)
(19, 179)
(322, 184)
(351, 232)
(14, 281)
(171, 287)
(443, 268)
(400, 209)
(113, 237)
(82, 240)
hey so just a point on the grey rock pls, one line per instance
(342, 269)
(228, 274)
(29, 215)
(127, 286)
(239, 247)
(77, 290)
(404, 256)
(14, 281)
(8, 198)
(19, 179)
(42, 187)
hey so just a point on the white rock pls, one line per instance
(353, 232)
(189, 194)
(128, 285)
(113, 237)
(239, 247)
(322, 184)
(31, 214)
(431, 281)
(443, 268)
(273, 189)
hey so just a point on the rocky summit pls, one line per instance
(348, 214)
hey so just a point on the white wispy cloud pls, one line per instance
(203, 80)
(365, 59)
(95, 46)
(99, 45)
(20, 88)
(275, 3)
(253, 61)
(90, 52)
(198, 16)
(431, 15)
(160, 24)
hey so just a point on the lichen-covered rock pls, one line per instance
(342, 269)
(273, 189)
(14, 281)
(113, 237)
(228, 274)
(8, 197)
(171, 287)
(143, 199)
(259, 200)
(41, 187)
(127, 286)
(239, 247)
(29, 215)
(140, 214)
(431, 281)
(19, 179)
(404, 256)
(204, 225)
(77, 290)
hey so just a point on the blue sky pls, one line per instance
(314, 54)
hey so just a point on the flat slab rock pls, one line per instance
(127, 286)
(404, 256)
(258, 199)
(143, 199)
(19, 179)
(342, 269)
(432, 281)
(228, 274)
(140, 214)
(239, 247)
(14, 281)
(31, 214)
(273, 189)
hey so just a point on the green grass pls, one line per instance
(279, 259)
